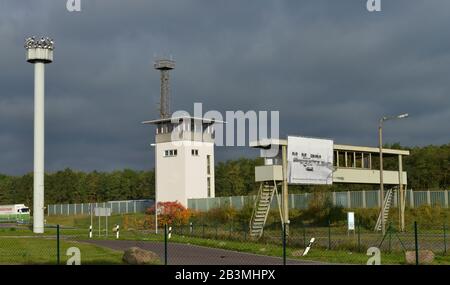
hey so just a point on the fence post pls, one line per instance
(416, 243)
(364, 203)
(445, 239)
(446, 198)
(359, 235)
(165, 244)
(304, 235)
(390, 237)
(349, 200)
(428, 197)
(329, 234)
(57, 246)
(284, 243)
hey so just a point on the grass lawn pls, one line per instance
(43, 251)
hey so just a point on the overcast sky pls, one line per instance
(331, 68)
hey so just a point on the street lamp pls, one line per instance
(380, 138)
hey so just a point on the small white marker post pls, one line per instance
(90, 231)
(117, 231)
(170, 232)
(309, 246)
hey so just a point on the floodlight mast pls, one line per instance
(39, 52)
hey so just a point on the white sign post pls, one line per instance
(351, 222)
(310, 161)
(102, 212)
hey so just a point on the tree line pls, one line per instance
(428, 168)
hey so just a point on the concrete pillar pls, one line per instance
(38, 189)
(446, 198)
(349, 200)
(379, 198)
(364, 203)
(337, 158)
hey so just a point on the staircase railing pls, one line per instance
(385, 209)
(255, 206)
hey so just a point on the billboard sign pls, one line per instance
(310, 161)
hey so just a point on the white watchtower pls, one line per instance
(184, 151)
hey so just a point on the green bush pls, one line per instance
(321, 210)
(221, 215)
(367, 218)
(427, 216)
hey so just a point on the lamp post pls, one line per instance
(380, 142)
(39, 53)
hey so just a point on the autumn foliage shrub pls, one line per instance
(171, 213)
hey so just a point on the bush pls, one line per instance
(427, 216)
(172, 213)
(367, 218)
(321, 210)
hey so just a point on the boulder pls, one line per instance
(138, 256)
(425, 257)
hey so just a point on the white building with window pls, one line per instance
(184, 159)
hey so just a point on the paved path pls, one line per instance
(185, 254)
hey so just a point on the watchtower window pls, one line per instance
(170, 152)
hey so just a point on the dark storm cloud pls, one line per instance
(331, 68)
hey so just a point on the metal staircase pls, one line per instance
(262, 207)
(388, 199)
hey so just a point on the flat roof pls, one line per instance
(267, 143)
(177, 119)
(344, 147)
